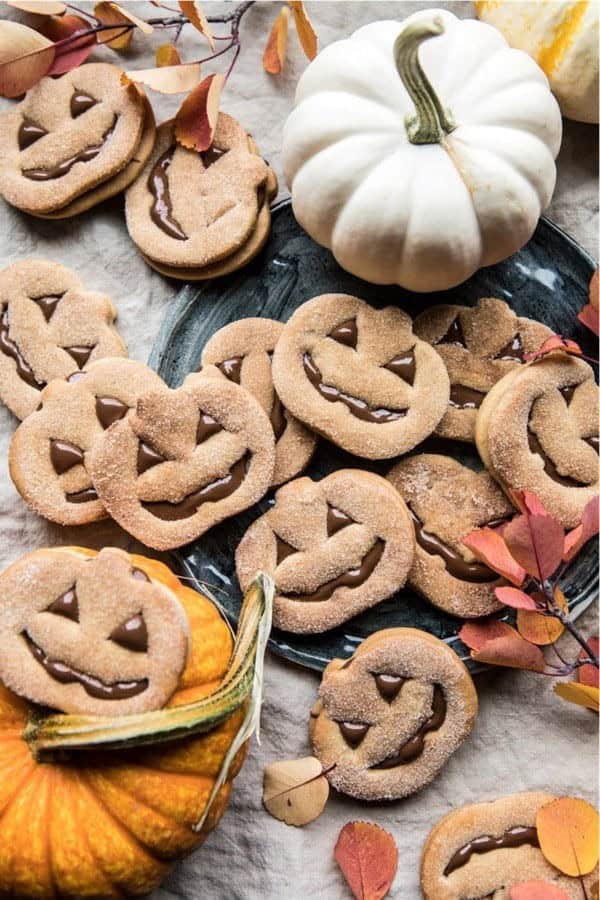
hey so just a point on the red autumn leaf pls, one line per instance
(476, 634)
(589, 674)
(306, 32)
(274, 55)
(193, 10)
(551, 345)
(587, 528)
(511, 651)
(489, 547)
(197, 116)
(515, 598)
(71, 53)
(537, 543)
(57, 28)
(594, 290)
(590, 317)
(368, 858)
(537, 890)
(528, 502)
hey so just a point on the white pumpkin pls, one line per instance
(563, 40)
(407, 188)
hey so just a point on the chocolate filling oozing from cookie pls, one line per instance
(454, 334)
(48, 304)
(352, 578)
(63, 168)
(404, 366)
(358, 408)
(109, 410)
(207, 426)
(345, 333)
(463, 397)
(513, 350)
(80, 354)
(84, 496)
(67, 605)
(94, 687)
(518, 836)
(132, 635)
(65, 456)
(232, 369)
(80, 103)
(210, 493)
(10, 349)
(455, 564)
(29, 133)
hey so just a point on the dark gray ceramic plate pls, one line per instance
(546, 280)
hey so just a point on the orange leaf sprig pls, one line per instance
(368, 858)
(532, 552)
(276, 47)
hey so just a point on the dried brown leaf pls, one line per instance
(197, 116)
(109, 14)
(304, 27)
(39, 7)
(25, 57)
(274, 55)
(193, 10)
(168, 55)
(167, 79)
(295, 791)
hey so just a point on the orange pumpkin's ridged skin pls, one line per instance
(112, 823)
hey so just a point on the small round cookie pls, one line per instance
(389, 717)
(485, 849)
(184, 460)
(49, 452)
(67, 136)
(334, 548)
(50, 326)
(242, 352)
(87, 633)
(191, 210)
(479, 345)
(447, 501)
(537, 430)
(359, 376)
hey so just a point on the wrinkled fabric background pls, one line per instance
(525, 737)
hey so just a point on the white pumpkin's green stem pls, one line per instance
(430, 122)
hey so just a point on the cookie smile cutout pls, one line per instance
(64, 167)
(352, 578)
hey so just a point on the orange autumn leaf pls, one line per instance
(568, 834)
(537, 890)
(476, 634)
(197, 116)
(551, 345)
(515, 598)
(25, 57)
(498, 644)
(274, 55)
(590, 317)
(589, 674)
(538, 628)
(193, 10)
(368, 858)
(580, 694)
(166, 79)
(306, 32)
(167, 55)
(536, 542)
(576, 539)
(117, 38)
(489, 547)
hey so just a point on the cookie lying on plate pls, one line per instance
(447, 501)
(50, 326)
(49, 452)
(90, 633)
(199, 215)
(537, 430)
(184, 460)
(334, 548)
(479, 345)
(484, 849)
(359, 376)
(389, 717)
(242, 352)
(74, 141)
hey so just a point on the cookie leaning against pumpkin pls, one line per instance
(112, 824)
(74, 141)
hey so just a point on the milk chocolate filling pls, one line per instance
(593, 441)
(84, 496)
(48, 304)
(132, 635)
(93, 686)
(79, 354)
(336, 520)
(359, 408)
(353, 732)
(161, 211)
(455, 564)
(388, 685)
(352, 578)
(63, 168)
(345, 333)
(64, 456)
(416, 744)
(10, 349)
(232, 368)
(515, 837)
(109, 410)
(403, 365)
(513, 350)
(80, 103)
(283, 549)
(210, 493)
(550, 469)
(67, 605)
(29, 133)
(147, 457)
(207, 426)
(454, 334)
(463, 397)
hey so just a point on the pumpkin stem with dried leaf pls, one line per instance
(430, 122)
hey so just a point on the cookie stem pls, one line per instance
(430, 122)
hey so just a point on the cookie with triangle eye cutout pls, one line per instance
(334, 548)
(49, 451)
(537, 430)
(485, 849)
(390, 717)
(447, 501)
(86, 633)
(50, 326)
(359, 376)
(71, 140)
(184, 460)
(242, 352)
(479, 345)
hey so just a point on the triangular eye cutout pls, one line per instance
(48, 304)
(345, 333)
(29, 133)
(109, 410)
(388, 685)
(80, 103)
(132, 635)
(512, 351)
(207, 426)
(147, 457)
(79, 354)
(211, 155)
(454, 335)
(232, 368)
(283, 549)
(567, 392)
(66, 605)
(336, 520)
(353, 733)
(403, 365)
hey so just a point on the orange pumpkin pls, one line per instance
(104, 823)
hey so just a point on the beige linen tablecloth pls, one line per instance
(525, 736)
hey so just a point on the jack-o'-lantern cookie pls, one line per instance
(479, 345)
(389, 717)
(485, 849)
(334, 548)
(359, 376)
(199, 215)
(447, 501)
(49, 452)
(50, 326)
(70, 142)
(184, 460)
(242, 352)
(87, 633)
(537, 430)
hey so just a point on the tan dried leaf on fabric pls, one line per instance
(25, 57)
(166, 79)
(295, 791)
(304, 27)
(193, 10)
(39, 7)
(274, 55)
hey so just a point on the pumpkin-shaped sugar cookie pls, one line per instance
(184, 460)
(50, 326)
(359, 376)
